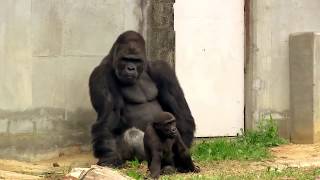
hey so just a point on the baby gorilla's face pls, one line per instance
(171, 129)
(167, 128)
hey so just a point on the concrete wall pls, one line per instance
(48, 48)
(304, 87)
(159, 29)
(267, 68)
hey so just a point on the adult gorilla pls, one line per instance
(127, 91)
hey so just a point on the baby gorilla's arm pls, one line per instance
(155, 165)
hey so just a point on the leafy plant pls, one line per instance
(134, 163)
(133, 169)
(134, 174)
(265, 135)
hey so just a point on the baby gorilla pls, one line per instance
(164, 147)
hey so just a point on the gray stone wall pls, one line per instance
(267, 66)
(160, 33)
(48, 48)
(305, 85)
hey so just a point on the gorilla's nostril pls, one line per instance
(130, 68)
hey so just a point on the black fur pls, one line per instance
(123, 103)
(164, 147)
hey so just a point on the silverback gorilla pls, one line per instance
(164, 147)
(127, 91)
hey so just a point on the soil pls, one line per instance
(46, 169)
(291, 155)
(297, 155)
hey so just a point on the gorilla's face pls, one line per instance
(167, 128)
(165, 125)
(128, 69)
(129, 58)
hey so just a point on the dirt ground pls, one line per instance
(46, 169)
(290, 155)
(297, 155)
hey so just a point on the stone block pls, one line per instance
(15, 69)
(48, 82)
(21, 126)
(47, 27)
(3, 125)
(77, 72)
(90, 27)
(305, 87)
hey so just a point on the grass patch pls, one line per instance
(228, 149)
(134, 174)
(135, 169)
(249, 145)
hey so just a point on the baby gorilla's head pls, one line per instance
(165, 125)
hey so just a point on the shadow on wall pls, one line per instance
(44, 133)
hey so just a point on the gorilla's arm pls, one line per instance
(99, 92)
(172, 99)
(108, 120)
(182, 157)
(153, 148)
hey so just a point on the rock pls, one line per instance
(55, 164)
(95, 173)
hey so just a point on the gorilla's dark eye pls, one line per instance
(133, 60)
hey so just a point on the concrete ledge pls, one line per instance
(305, 85)
(44, 133)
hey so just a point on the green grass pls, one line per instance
(134, 174)
(249, 145)
(228, 149)
(133, 169)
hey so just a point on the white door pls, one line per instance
(210, 63)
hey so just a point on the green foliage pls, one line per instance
(135, 174)
(134, 163)
(250, 145)
(133, 169)
(265, 135)
(228, 149)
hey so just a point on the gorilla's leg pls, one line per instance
(105, 145)
(132, 144)
(113, 150)
(167, 170)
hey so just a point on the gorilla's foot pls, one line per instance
(168, 170)
(195, 169)
(113, 162)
